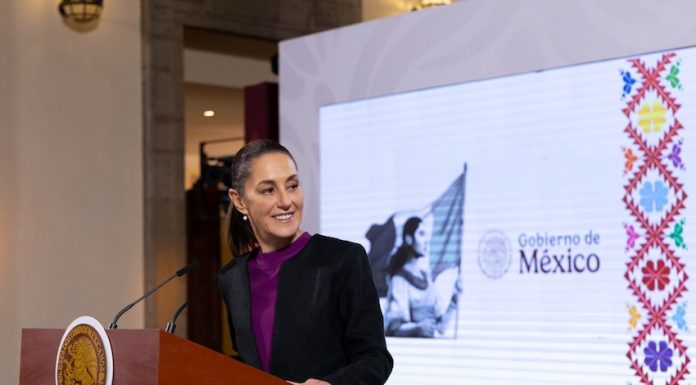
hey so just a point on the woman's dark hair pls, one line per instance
(238, 232)
(405, 251)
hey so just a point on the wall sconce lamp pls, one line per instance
(423, 4)
(80, 11)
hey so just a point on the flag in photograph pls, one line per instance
(447, 213)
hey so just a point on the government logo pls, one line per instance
(494, 254)
(84, 355)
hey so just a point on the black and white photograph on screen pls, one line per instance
(415, 256)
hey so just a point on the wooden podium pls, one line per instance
(142, 357)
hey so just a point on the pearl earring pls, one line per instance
(244, 217)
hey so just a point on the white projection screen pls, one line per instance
(524, 195)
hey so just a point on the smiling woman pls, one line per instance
(271, 200)
(302, 307)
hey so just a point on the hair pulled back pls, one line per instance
(405, 251)
(238, 232)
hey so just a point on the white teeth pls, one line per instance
(283, 217)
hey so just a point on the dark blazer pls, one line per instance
(328, 322)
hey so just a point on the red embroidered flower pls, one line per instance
(656, 275)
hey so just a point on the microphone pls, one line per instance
(171, 325)
(184, 270)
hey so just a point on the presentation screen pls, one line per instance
(528, 229)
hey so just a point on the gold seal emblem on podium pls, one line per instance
(84, 355)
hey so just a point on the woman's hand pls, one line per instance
(311, 381)
(426, 328)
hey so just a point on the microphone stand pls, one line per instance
(179, 273)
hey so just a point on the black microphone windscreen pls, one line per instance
(187, 268)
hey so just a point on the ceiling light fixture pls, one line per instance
(209, 113)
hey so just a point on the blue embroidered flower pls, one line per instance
(653, 197)
(628, 83)
(655, 356)
(678, 317)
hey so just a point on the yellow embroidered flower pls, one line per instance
(652, 119)
(635, 316)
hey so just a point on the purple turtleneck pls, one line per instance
(263, 276)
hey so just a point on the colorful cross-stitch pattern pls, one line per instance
(655, 199)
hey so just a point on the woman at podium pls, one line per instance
(302, 307)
